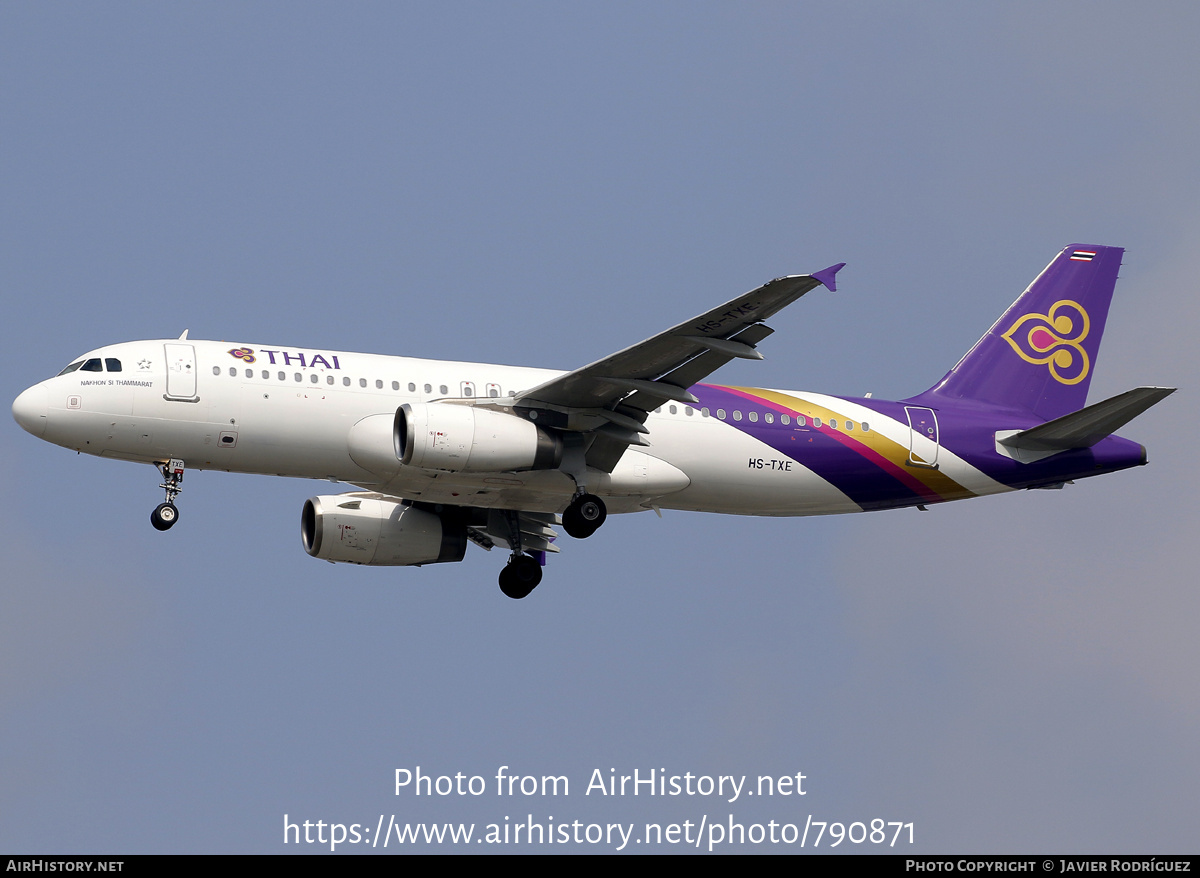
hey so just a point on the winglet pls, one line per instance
(828, 276)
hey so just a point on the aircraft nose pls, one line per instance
(30, 409)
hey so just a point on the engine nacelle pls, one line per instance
(367, 530)
(466, 439)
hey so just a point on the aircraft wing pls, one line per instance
(621, 389)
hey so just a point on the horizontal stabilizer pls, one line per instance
(1086, 427)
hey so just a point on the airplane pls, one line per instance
(443, 454)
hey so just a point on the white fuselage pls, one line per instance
(321, 414)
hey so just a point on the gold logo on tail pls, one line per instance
(1054, 339)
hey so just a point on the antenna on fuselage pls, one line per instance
(183, 337)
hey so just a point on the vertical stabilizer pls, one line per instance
(1041, 353)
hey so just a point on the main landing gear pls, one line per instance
(523, 572)
(584, 516)
(520, 576)
(166, 514)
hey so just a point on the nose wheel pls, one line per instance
(166, 514)
(584, 516)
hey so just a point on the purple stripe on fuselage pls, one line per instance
(863, 475)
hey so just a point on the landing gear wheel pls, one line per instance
(575, 526)
(520, 576)
(164, 515)
(584, 516)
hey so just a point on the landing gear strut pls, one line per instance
(584, 516)
(520, 576)
(523, 572)
(165, 514)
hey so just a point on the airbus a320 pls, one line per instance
(444, 454)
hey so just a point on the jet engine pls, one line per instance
(363, 529)
(463, 438)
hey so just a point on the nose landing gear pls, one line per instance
(166, 514)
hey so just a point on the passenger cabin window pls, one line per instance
(71, 368)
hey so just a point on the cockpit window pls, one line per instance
(92, 365)
(71, 368)
(112, 364)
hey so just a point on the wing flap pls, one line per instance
(698, 368)
(537, 532)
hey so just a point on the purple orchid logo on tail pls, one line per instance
(1054, 339)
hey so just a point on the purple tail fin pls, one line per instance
(1041, 353)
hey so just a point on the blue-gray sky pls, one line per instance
(543, 184)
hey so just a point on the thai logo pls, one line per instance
(1054, 339)
(246, 354)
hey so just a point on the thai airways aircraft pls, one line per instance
(447, 453)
